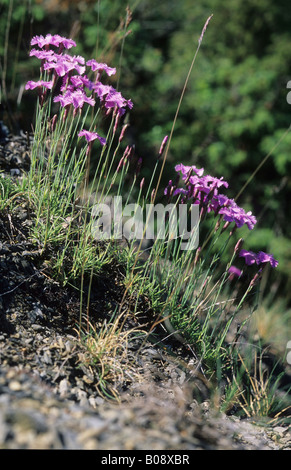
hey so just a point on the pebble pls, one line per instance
(14, 386)
(36, 327)
(63, 388)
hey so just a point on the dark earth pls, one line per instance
(50, 393)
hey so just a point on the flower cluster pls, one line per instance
(204, 190)
(72, 71)
(233, 213)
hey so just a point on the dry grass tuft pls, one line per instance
(105, 352)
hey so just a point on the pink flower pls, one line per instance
(266, 258)
(98, 66)
(64, 100)
(43, 55)
(54, 40)
(31, 85)
(249, 256)
(91, 136)
(64, 63)
(115, 99)
(102, 90)
(79, 82)
(111, 97)
(67, 43)
(77, 98)
(234, 271)
(185, 169)
(212, 182)
(71, 83)
(233, 213)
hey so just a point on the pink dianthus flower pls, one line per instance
(53, 40)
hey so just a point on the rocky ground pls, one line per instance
(50, 395)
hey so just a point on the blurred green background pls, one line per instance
(234, 110)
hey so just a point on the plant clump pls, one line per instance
(188, 293)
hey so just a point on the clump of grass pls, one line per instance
(105, 353)
(255, 390)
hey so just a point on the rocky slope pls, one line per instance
(50, 395)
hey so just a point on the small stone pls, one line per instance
(47, 357)
(15, 386)
(36, 327)
(92, 402)
(82, 397)
(63, 387)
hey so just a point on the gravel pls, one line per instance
(33, 416)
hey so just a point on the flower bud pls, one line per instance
(163, 145)
(197, 255)
(120, 164)
(239, 245)
(256, 279)
(117, 119)
(123, 132)
(54, 122)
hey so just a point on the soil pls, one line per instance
(51, 396)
